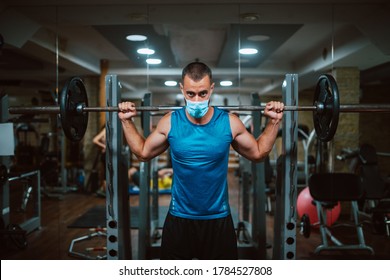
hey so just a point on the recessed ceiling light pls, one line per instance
(250, 16)
(136, 38)
(248, 51)
(226, 83)
(170, 83)
(145, 51)
(258, 38)
(153, 61)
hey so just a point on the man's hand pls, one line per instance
(127, 110)
(274, 110)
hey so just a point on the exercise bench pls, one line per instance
(328, 189)
(376, 194)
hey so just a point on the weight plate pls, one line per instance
(73, 123)
(326, 120)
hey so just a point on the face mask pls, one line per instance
(197, 109)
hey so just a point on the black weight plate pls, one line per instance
(326, 120)
(73, 123)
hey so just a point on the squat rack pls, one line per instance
(286, 185)
(117, 206)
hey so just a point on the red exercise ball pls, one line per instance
(305, 205)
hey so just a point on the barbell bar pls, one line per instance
(351, 108)
(73, 108)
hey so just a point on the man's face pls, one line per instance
(197, 90)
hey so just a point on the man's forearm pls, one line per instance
(267, 139)
(133, 138)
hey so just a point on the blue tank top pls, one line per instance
(200, 155)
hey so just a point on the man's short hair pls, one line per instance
(196, 71)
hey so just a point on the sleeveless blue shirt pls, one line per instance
(200, 155)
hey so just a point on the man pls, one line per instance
(199, 223)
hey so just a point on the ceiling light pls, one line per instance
(136, 37)
(153, 61)
(248, 51)
(250, 16)
(226, 83)
(170, 83)
(145, 51)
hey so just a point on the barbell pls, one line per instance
(73, 108)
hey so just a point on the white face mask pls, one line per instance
(197, 109)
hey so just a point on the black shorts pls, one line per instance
(186, 239)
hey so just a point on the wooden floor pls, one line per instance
(52, 240)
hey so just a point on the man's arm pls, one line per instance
(257, 149)
(154, 144)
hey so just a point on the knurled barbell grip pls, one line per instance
(140, 108)
(172, 108)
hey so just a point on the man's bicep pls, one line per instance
(157, 142)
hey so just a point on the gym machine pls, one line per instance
(117, 203)
(30, 182)
(285, 226)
